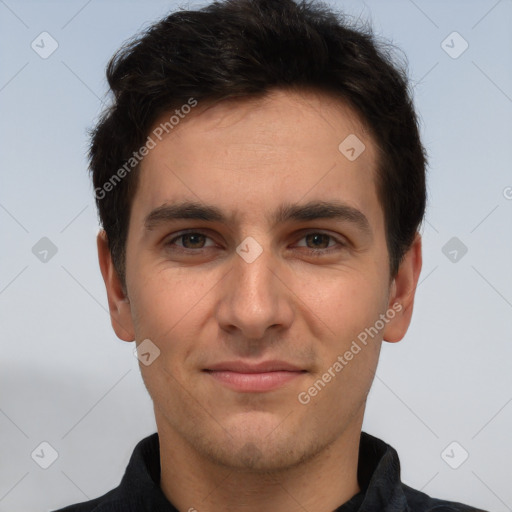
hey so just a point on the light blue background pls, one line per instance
(66, 379)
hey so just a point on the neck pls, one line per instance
(322, 484)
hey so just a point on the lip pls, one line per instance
(254, 378)
(264, 366)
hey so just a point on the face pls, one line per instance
(258, 292)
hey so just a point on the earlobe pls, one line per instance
(402, 292)
(118, 302)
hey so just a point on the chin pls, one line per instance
(260, 447)
(258, 457)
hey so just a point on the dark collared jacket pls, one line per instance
(378, 477)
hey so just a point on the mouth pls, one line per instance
(254, 378)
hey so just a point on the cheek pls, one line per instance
(345, 300)
(167, 309)
(164, 299)
(172, 308)
(348, 348)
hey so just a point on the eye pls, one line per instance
(319, 242)
(316, 242)
(190, 240)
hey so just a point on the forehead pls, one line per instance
(252, 154)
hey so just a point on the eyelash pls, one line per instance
(314, 252)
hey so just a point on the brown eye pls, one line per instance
(189, 241)
(318, 240)
(320, 243)
(193, 240)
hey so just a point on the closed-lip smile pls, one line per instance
(247, 377)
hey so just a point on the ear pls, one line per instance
(118, 303)
(402, 292)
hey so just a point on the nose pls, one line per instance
(254, 298)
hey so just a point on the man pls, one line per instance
(260, 180)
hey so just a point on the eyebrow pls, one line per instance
(286, 212)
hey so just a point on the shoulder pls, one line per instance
(418, 501)
(106, 503)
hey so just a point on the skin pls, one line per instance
(201, 303)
